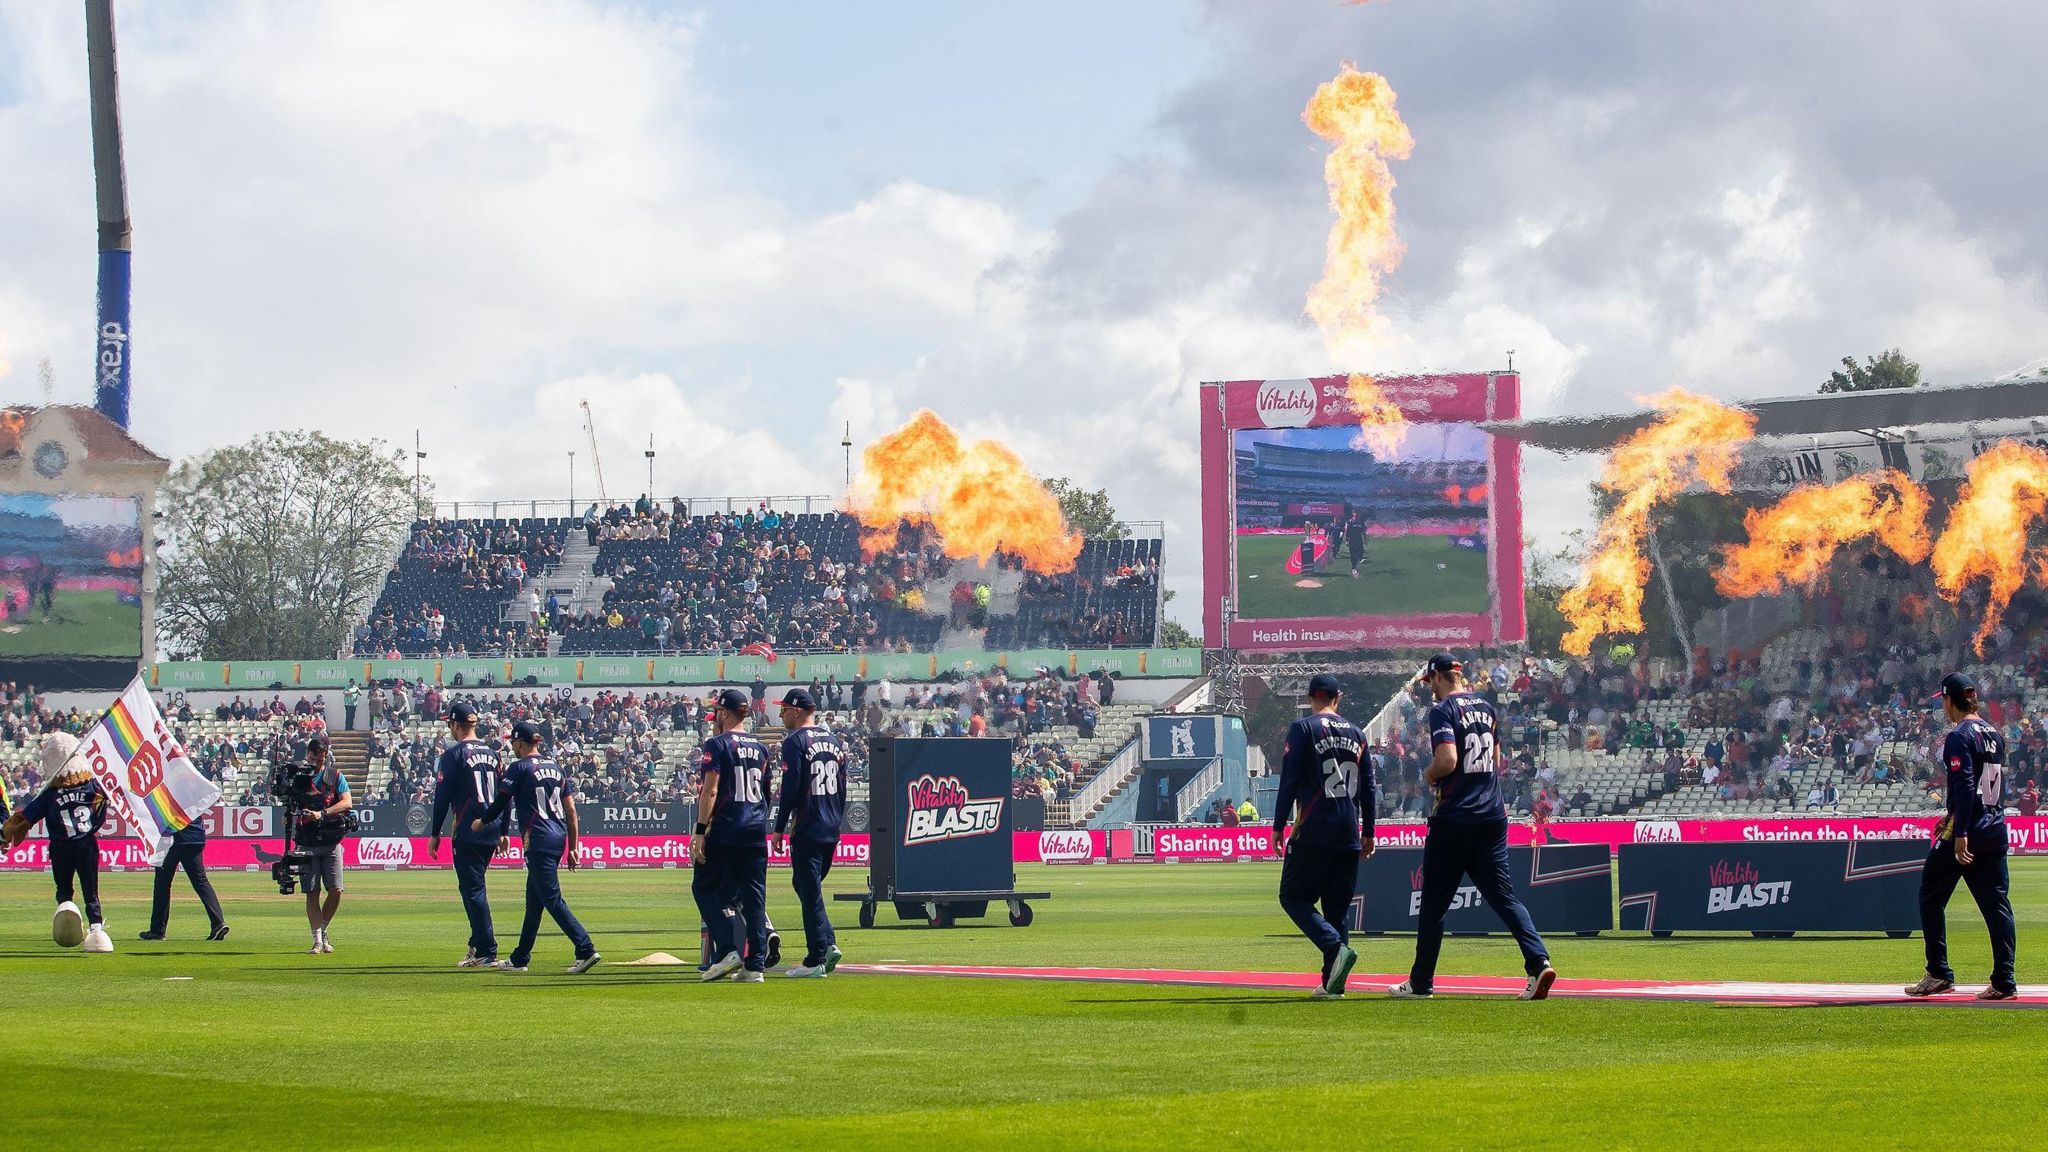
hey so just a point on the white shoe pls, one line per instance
(1538, 987)
(749, 978)
(67, 927)
(723, 968)
(1405, 990)
(1322, 993)
(475, 961)
(97, 940)
(325, 946)
(583, 965)
(507, 966)
(806, 972)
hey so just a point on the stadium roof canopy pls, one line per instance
(1809, 415)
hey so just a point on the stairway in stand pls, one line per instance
(351, 754)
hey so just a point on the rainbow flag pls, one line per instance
(143, 769)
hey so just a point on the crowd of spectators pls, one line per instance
(1851, 703)
(447, 595)
(240, 763)
(790, 582)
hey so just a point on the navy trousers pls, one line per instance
(1988, 881)
(472, 862)
(1450, 853)
(544, 892)
(810, 862)
(730, 883)
(1316, 886)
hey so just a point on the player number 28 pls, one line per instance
(825, 777)
(1340, 778)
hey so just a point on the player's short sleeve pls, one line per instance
(341, 783)
(1441, 729)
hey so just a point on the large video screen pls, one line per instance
(1325, 541)
(70, 576)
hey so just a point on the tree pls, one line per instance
(1089, 513)
(277, 546)
(1173, 635)
(1889, 370)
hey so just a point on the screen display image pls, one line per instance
(1319, 537)
(70, 576)
(1326, 528)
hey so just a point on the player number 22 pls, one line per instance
(1478, 751)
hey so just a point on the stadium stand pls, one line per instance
(1834, 716)
(799, 582)
(449, 591)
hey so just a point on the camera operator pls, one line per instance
(321, 799)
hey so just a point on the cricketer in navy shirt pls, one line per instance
(813, 792)
(546, 797)
(468, 780)
(1327, 773)
(1471, 794)
(543, 793)
(739, 813)
(1975, 755)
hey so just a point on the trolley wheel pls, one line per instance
(867, 913)
(1666, 935)
(942, 916)
(1907, 935)
(1020, 914)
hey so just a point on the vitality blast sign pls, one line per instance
(948, 813)
(1818, 886)
(1566, 888)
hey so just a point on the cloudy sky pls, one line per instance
(738, 225)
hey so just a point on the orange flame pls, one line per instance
(1381, 425)
(979, 497)
(1694, 440)
(1355, 113)
(1791, 542)
(1986, 537)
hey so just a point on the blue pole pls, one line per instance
(111, 358)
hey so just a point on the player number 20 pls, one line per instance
(1478, 751)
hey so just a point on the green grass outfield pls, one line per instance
(84, 624)
(385, 1045)
(1400, 578)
